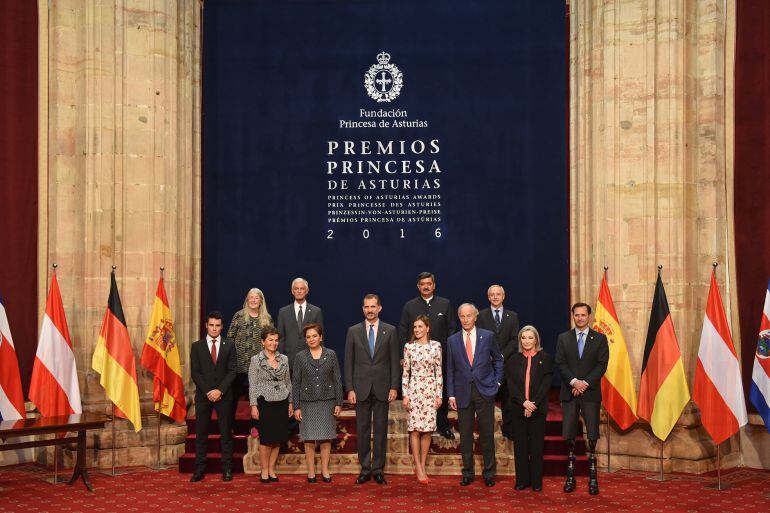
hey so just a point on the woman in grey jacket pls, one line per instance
(270, 400)
(317, 385)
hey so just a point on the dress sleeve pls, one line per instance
(406, 372)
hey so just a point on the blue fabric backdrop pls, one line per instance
(488, 77)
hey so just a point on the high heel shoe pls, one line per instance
(326, 479)
(264, 479)
(312, 479)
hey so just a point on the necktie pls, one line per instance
(371, 339)
(581, 344)
(214, 351)
(299, 319)
(497, 319)
(468, 347)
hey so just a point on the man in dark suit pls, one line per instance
(212, 367)
(505, 324)
(292, 318)
(474, 374)
(581, 356)
(442, 324)
(372, 375)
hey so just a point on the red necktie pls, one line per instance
(214, 351)
(469, 347)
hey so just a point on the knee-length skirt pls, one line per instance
(318, 422)
(273, 421)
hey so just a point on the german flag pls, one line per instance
(160, 355)
(663, 391)
(114, 361)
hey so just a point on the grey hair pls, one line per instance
(473, 307)
(264, 316)
(303, 280)
(493, 286)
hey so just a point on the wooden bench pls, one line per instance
(47, 425)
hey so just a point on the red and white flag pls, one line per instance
(718, 390)
(54, 388)
(11, 395)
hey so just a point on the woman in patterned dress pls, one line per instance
(246, 331)
(421, 388)
(317, 385)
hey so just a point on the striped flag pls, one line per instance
(11, 394)
(663, 391)
(54, 386)
(759, 391)
(717, 389)
(160, 355)
(618, 391)
(114, 360)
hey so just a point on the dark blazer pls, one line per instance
(590, 368)
(316, 380)
(486, 371)
(366, 375)
(292, 340)
(443, 319)
(208, 377)
(507, 335)
(539, 380)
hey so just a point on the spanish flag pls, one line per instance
(618, 392)
(160, 355)
(114, 360)
(663, 391)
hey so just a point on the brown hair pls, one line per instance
(312, 326)
(270, 330)
(426, 321)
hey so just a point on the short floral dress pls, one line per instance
(421, 382)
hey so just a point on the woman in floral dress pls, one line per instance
(421, 388)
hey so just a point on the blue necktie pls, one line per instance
(497, 319)
(581, 344)
(371, 339)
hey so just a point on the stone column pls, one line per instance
(123, 179)
(648, 182)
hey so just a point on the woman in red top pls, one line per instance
(529, 382)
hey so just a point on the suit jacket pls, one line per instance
(540, 374)
(443, 319)
(376, 375)
(590, 368)
(316, 380)
(507, 335)
(486, 371)
(208, 376)
(292, 340)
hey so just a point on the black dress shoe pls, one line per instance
(362, 478)
(326, 479)
(264, 479)
(273, 479)
(198, 476)
(489, 481)
(448, 434)
(227, 475)
(312, 479)
(538, 488)
(380, 479)
(465, 481)
(521, 486)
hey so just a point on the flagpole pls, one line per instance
(605, 409)
(56, 448)
(159, 407)
(660, 477)
(719, 485)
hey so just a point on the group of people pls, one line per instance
(292, 378)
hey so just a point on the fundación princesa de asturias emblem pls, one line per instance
(384, 80)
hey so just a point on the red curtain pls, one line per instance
(752, 169)
(18, 176)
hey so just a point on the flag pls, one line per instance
(717, 389)
(759, 391)
(663, 391)
(114, 360)
(11, 394)
(54, 386)
(160, 355)
(618, 391)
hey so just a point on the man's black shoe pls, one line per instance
(489, 481)
(227, 475)
(198, 476)
(448, 434)
(362, 478)
(521, 486)
(466, 481)
(538, 488)
(380, 479)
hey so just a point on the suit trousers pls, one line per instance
(570, 410)
(372, 416)
(484, 409)
(528, 442)
(442, 418)
(202, 418)
(240, 388)
(507, 407)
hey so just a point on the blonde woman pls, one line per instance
(246, 330)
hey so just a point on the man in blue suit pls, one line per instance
(474, 374)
